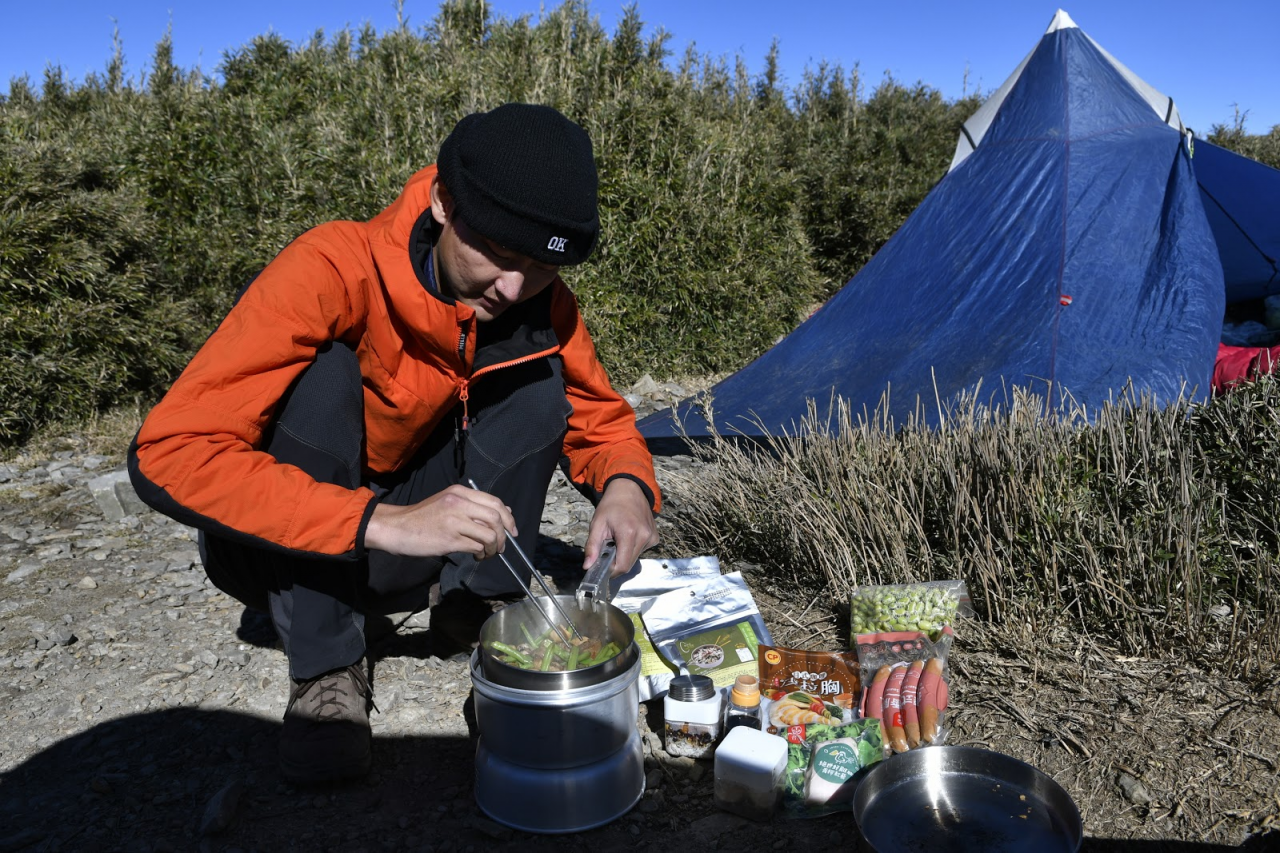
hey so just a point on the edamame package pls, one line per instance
(712, 629)
(925, 607)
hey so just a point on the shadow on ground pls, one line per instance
(149, 782)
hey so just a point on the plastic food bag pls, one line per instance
(823, 762)
(650, 578)
(905, 686)
(925, 607)
(808, 697)
(903, 635)
(712, 629)
(799, 686)
(647, 580)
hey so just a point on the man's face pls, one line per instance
(476, 271)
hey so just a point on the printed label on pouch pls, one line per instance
(723, 653)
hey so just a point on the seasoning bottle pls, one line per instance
(691, 712)
(744, 704)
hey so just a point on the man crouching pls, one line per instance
(322, 437)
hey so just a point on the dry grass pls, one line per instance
(1149, 529)
(105, 434)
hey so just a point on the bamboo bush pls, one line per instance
(1265, 147)
(1152, 529)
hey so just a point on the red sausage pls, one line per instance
(927, 699)
(874, 696)
(910, 713)
(892, 719)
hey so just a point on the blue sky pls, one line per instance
(1210, 58)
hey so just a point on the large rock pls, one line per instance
(115, 496)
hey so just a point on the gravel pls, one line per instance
(139, 710)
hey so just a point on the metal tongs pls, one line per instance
(589, 590)
(545, 588)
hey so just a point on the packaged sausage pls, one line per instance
(906, 678)
(903, 634)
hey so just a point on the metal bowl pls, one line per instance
(604, 622)
(955, 799)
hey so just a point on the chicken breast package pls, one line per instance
(800, 687)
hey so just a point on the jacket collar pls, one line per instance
(407, 230)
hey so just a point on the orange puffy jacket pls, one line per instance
(352, 282)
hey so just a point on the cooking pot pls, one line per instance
(555, 729)
(600, 621)
(569, 800)
(558, 760)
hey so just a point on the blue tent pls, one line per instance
(1072, 248)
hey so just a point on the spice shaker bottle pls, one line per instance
(692, 715)
(744, 704)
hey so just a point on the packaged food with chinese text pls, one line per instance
(809, 698)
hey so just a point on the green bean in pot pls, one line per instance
(513, 652)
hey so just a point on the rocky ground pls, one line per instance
(140, 706)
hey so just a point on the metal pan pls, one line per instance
(955, 799)
(605, 623)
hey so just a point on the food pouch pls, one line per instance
(823, 765)
(800, 687)
(905, 685)
(712, 629)
(647, 580)
(923, 607)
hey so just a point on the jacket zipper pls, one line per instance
(515, 361)
(463, 390)
(464, 393)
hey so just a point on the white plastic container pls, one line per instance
(749, 767)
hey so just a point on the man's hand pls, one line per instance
(457, 519)
(623, 515)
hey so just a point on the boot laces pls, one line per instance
(331, 693)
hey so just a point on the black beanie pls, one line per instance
(523, 175)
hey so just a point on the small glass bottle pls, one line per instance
(691, 712)
(744, 704)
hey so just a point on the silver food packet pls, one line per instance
(647, 580)
(712, 629)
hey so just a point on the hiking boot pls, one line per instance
(326, 735)
(456, 620)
